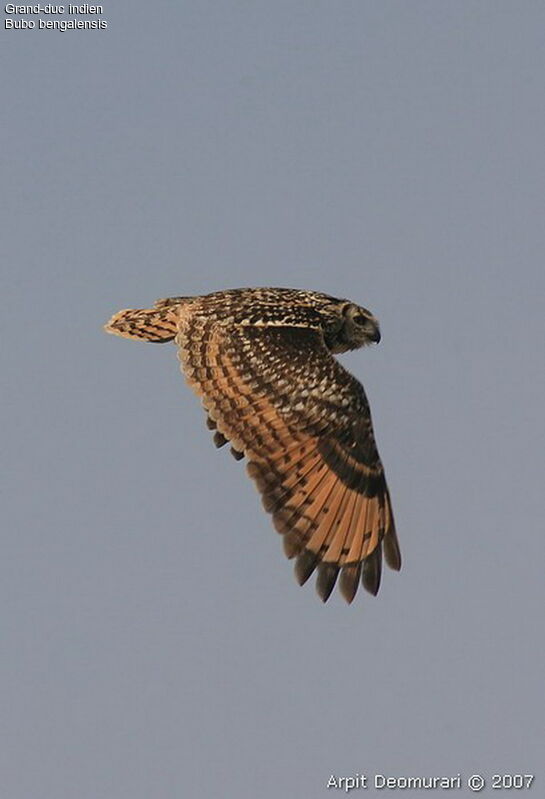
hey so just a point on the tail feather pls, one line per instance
(157, 324)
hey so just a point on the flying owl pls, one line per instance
(262, 360)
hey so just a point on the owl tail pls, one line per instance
(158, 324)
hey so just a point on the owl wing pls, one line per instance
(280, 397)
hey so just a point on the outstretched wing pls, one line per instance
(278, 395)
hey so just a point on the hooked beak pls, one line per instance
(374, 332)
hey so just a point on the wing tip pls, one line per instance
(392, 553)
(372, 571)
(143, 324)
(326, 579)
(349, 581)
(305, 564)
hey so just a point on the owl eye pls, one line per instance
(360, 319)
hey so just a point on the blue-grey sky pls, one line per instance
(155, 643)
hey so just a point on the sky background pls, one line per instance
(154, 640)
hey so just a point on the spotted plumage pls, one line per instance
(262, 361)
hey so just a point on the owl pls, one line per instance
(262, 360)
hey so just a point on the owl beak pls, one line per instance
(374, 332)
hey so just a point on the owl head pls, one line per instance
(353, 328)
